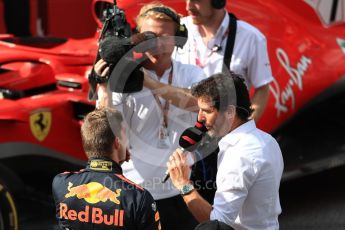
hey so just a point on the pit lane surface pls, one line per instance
(312, 202)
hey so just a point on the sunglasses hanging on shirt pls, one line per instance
(216, 48)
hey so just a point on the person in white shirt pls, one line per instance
(208, 32)
(250, 162)
(210, 28)
(155, 124)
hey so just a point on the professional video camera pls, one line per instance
(115, 41)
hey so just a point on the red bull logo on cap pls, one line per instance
(93, 193)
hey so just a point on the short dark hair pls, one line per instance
(99, 130)
(224, 90)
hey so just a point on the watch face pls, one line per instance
(186, 189)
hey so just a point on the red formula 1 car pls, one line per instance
(44, 88)
(43, 96)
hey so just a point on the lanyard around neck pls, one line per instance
(164, 108)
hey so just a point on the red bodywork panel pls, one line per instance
(28, 68)
(62, 18)
(64, 135)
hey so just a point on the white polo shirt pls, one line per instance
(250, 166)
(250, 57)
(143, 116)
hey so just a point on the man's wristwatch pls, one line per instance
(186, 189)
(98, 79)
(101, 80)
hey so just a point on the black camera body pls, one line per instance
(114, 44)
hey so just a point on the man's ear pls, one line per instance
(116, 143)
(231, 111)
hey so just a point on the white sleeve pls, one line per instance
(117, 98)
(193, 75)
(259, 69)
(100, 94)
(235, 177)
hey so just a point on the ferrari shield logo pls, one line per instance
(341, 43)
(40, 123)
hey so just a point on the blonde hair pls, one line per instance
(146, 12)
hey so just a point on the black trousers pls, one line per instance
(175, 214)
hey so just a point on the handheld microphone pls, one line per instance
(201, 126)
(189, 141)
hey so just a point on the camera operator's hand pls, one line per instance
(151, 46)
(101, 68)
(137, 38)
(141, 37)
(149, 43)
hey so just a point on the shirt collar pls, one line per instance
(234, 136)
(223, 26)
(103, 164)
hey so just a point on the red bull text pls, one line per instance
(93, 215)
